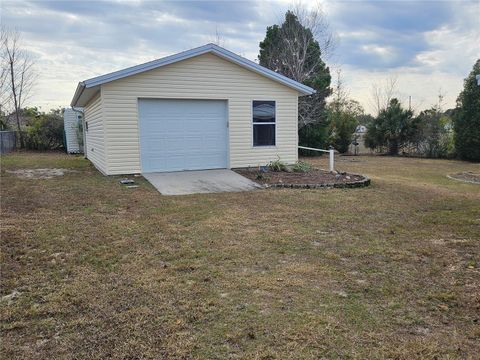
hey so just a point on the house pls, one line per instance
(357, 146)
(204, 108)
(360, 129)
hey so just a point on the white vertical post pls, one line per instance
(331, 160)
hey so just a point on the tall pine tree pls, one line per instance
(292, 50)
(467, 118)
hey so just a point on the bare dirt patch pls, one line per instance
(466, 176)
(311, 178)
(40, 173)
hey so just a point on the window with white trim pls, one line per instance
(264, 122)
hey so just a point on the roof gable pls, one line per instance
(92, 85)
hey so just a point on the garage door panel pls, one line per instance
(182, 134)
(209, 161)
(162, 146)
(175, 163)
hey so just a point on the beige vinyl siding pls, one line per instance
(203, 77)
(95, 136)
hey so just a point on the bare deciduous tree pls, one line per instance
(17, 75)
(340, 93)
(441, 99)
(381, 94)
(218, 38)
(296, 48)
(316, 20)
(4, 98)
(296, 42)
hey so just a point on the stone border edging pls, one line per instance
(355, 184)
(465, 181)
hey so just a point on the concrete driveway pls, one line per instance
(199, 181)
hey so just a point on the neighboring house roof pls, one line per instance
(361, 129)
(86, 89)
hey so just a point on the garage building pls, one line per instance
(205, 108)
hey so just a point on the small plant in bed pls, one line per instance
(277, 165)
(261, 175)
(302, 167)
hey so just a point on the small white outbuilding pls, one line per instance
(205, 108)
(72, 125)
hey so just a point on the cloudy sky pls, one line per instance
(429, 46)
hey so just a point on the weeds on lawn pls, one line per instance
(388, 271)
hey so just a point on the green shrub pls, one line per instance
(277, 165)
(434, 138)
(394, 128)
(260, 175)
(44, 131)
(302, 167)
(342, 115)
(314, 136)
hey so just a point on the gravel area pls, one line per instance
(466, 176)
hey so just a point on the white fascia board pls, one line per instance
(78, 93)
(212, 48)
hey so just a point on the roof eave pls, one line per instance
(215, 49)
(78, 93)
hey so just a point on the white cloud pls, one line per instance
(450, 52)
(423, 88)
(357, 34)
(385, 52)
(71, 46)
(451, 48)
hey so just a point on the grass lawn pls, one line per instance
(388, 271)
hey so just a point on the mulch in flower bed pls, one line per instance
(466, 176)
(312, 179)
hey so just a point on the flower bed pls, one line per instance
(308, 180)
(466, 176)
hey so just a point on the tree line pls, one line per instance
(297, 48)
(35, 129)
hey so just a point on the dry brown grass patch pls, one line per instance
(389, 271)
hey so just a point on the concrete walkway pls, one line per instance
(200, 181)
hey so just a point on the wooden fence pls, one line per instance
(8, 141)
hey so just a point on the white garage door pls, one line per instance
(180, 135)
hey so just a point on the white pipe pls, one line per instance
(309, 148)
(331, 156)
(332, 160)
